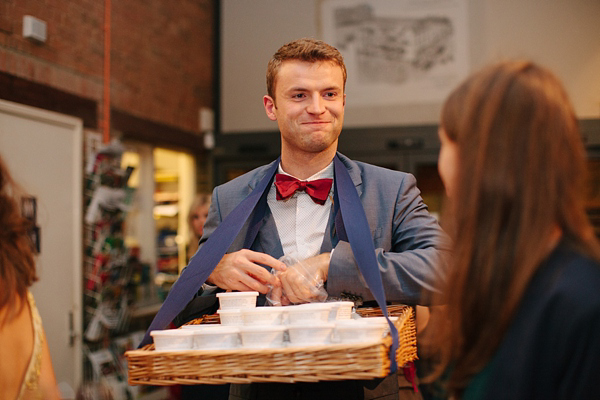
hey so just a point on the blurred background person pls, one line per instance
(196, 219)
(25, 366)
(523, 307)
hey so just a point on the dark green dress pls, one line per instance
(552, 348)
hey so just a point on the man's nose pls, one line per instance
(316, 105)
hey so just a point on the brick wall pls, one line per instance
(162, 54)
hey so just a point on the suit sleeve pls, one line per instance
(412, 263)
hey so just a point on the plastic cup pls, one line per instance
(172, 339)
(239, 300)
(307, 314)
(262, 336)
(262, 316)
(310, 335)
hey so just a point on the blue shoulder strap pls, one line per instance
(353, 227)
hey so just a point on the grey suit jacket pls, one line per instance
(409, 244)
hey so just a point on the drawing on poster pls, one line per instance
(398, 51)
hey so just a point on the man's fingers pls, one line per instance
(264, 259)
(248, 263)
(296, 287)
(241, 287)
(276, 296)
(245, 270)
(253, 285)
(288, 290)
(285, 301)
(260, 274)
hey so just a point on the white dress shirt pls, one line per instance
(301, 222)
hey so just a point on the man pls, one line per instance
(306, 97)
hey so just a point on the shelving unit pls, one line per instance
(134, 235)
(175, 185)
(116, 282)
(166, 213)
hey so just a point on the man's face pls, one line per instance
(308, 106)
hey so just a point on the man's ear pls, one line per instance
(270, 107)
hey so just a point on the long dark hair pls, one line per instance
(520, 177)
(17, 265)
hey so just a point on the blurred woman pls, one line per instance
(196, 219)
(523, 299)
(25, 367)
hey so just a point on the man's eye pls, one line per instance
(298, 96)
(330, 94)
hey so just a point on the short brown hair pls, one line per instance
(305, 49)
(17, 264)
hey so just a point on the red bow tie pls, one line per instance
(318, 189)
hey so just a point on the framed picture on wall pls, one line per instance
(398, 51)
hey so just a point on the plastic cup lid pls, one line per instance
(229, 311)
(262, 310)
(316, 325)
(311, 306)
(171, 332)
(218, 330)
(237, 294)
(262, 328)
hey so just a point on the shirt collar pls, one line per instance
(325, 173)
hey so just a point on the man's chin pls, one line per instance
(320, 147)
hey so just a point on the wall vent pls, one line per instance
(34, 28)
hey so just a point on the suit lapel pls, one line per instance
(329, 238)
(268, 237)
(267, 240)
(259, 175)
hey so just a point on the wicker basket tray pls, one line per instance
(289, 365)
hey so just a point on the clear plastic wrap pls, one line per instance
(302, 278)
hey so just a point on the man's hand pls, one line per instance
(243, 270)
(302, 282)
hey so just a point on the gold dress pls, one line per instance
(30, 386)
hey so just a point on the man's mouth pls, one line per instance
(316, 122)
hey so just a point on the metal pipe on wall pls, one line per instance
(106, 80)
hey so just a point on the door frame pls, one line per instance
(75, 126)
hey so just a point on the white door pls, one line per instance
(43, 151)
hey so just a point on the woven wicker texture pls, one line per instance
(289, 365)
